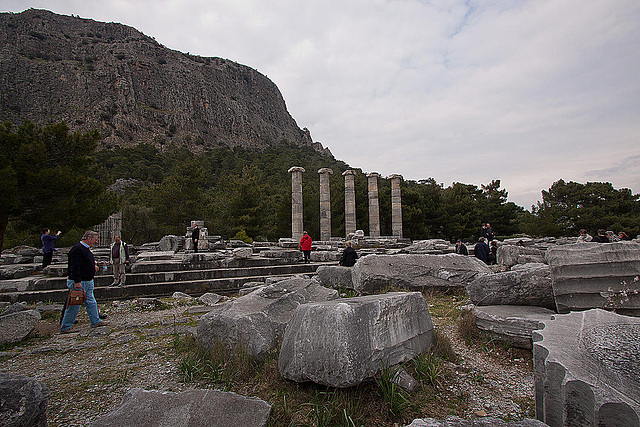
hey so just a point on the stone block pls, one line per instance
(335, 276)
(343, 342)
(513, 324)
(586, 370)
(288, 243)
(210, 298)
(194, 408)
(583, 272)
(171, 243)
(15, 327)
(531, 284)
(374, 273)
(24, 401)
(243, 252)
(292, 255)
(257, 321)
(325, 256)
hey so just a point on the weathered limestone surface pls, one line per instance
(432, 246)
(324, 256)
(210, 298)
(586, 370)
(341, 343)
(582, 271)
(530, 284)
(349, 201)
(257, 321)
(374, 206)
(374, 273)
(396, 204)
(23, 401)
(297, 220)
(171, 243)
(481, 422)
(193, 408)
(16, 326)
(289, 254)
(511, 323)
(335, 276)
(242, 253)
(510, 255)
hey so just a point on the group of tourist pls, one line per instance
(348, 258)
(82, 267)
(603, 236)
(485, 252)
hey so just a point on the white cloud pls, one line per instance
(519, 90)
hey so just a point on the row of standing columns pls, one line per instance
(297, 220)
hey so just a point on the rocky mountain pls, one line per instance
(113, 78)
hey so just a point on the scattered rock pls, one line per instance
(15, 327)
(374, 273)
(531, 284)
(343, 342)
(181, 296)
(243, 252)
(210, 298)
(257, 321)
(335, 276)
(513, 324)
(190, 408)
(23, 401)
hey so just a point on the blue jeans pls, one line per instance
(90, 304)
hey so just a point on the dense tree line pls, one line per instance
(50, 177)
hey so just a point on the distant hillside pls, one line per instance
(113, 78)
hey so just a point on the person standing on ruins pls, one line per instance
(305, 246)
(48, 246)
(118, 258)
(461, 249)
(82, 269)
(601, 237)
(195, 235)
(584, 236)
(489, 234)
(349, 256)
(481, 251)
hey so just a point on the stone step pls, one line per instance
(231, 280)
(51, 283)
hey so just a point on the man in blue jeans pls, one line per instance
(82, 269)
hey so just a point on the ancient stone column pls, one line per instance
(325, 204)
(396, 205)
(349, 201)
(374, 207)
(297, 226)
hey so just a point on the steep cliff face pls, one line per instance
(113, 78)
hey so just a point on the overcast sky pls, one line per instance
(526, 92)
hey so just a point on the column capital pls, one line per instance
(395, 175)
(373, 175)
(296, 169)
(325, 170)
(348, 172)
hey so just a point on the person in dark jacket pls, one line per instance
(349, 256)
(48, 246)
(493, 252)
(305, 246)
(481, 251)
(461, 249)
(82, 269)
(601, 237)
(489, 234)
(195, 236)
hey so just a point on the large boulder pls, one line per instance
(343, 342)
(530, 284)
(15, 327)
(510, 255)
(23, 401)
(433, 246)
(589, 275)
(374, 273)
(586, 370)
(257, 321)
(194, 408)
(335, 276)
(511, 323)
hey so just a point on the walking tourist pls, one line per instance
(305, 246)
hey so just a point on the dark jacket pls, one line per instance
(600, 239)
(461, 249)
(195, 234)
(349, 257)
(481, 251)
(47, 243)
(82, 265)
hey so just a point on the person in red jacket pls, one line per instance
(305, 246)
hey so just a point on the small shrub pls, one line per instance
(242, 235)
